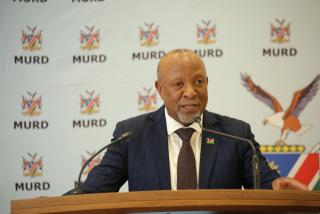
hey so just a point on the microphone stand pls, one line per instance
(255, 159)
(77, 189)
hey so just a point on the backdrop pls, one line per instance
(69, 70)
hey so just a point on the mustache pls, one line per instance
(190, 102)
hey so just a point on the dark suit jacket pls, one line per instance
(143, 159)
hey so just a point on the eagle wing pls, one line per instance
(261, 94)
(302, 97)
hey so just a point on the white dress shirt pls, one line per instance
(175, 143)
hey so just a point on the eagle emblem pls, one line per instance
(288, 121)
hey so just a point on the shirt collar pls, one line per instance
(173, 125)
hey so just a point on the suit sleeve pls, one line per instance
(111, 173)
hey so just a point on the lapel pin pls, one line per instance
(210, 140)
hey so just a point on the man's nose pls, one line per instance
(189, 91)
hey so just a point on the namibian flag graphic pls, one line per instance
(301, 166)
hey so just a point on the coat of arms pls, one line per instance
(89, 39)
(91, 164)
(33, 167)
(31, 105)
(89, 103)
(149, 36)
(206, 33)
(280, 33)
(148, 100)
(31, 40)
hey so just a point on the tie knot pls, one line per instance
(185, 134)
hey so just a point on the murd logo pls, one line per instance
(91, 164)
(32, 39)
(31, 104)
(32, 167)
(89, 103)
(149, 36)
(90, 38)
(287, 121)
(147, 101)
(280, 32)
(206, 33)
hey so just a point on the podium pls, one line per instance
(235, 201)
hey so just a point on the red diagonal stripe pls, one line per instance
(33, 40)
(91, 38)
(33, 106)
(91, 103)
(308, 169)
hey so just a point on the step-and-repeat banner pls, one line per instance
(69, 70)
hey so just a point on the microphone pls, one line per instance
(255, 159)
(77, 189)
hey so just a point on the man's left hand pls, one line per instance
(286, 183)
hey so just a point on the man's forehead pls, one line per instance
(180, 70)
(183, 58)
(182, 55)
(180, 59)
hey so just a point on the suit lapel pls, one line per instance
(158, 136)
(208, 151)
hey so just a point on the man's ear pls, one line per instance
(158, 87)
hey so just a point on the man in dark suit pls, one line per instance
(151, 159)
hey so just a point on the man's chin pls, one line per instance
(187, 119)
